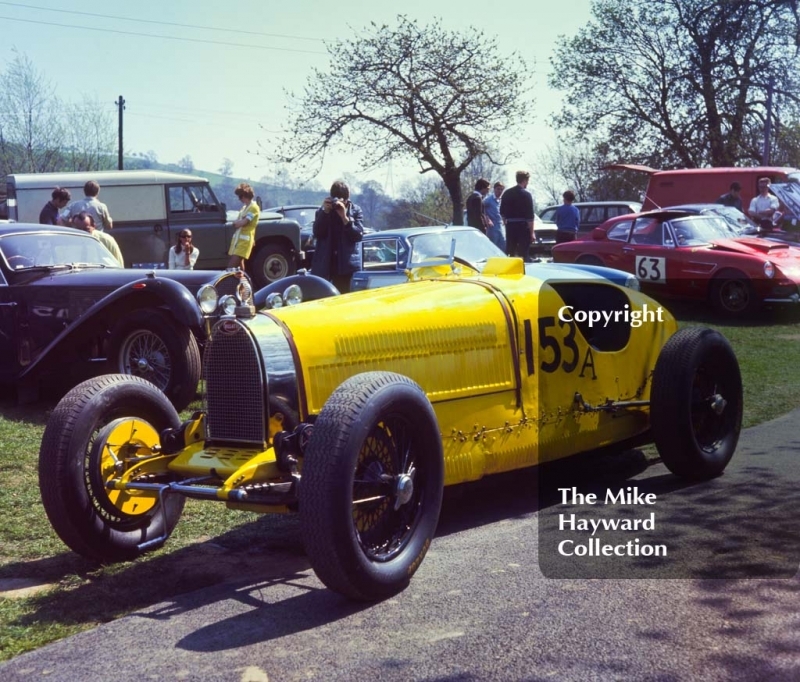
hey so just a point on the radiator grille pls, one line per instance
(226, 285)
(234, 401)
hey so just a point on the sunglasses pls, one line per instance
(186, 236)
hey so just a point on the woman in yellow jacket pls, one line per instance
(245, 224)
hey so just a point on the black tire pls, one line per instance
(732, 294)
(696, 403)
(150, 344)
(590, 260)
(369, 550)
(71, 480)
(273, 261)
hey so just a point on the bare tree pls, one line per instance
(579, 167)
(89, 139)
(441, 97)
(565, 165)
(30, 129)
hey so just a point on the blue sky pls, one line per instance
(216, 93)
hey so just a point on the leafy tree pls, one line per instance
(373, 202)
(680, 82)
(226, 167)
(441, 97)
(186, 164)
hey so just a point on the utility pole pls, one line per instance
(768, 123)
(121, 104)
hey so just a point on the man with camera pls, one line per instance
(338, 227)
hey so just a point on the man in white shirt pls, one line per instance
(763, 206)
(92, 205)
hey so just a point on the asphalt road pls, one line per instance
(480, 607)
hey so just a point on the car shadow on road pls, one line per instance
(261, 565)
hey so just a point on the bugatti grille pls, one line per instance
(234, 385)
(226, 285)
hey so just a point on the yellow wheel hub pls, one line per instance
(124, 443)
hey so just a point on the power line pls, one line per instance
(162, 23)
(147, 35)
(195, 121)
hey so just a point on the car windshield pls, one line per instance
(304, 216)
(471, 245)
(738, 222)
(26, 251)
(696, 230)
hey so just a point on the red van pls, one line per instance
(704, 185)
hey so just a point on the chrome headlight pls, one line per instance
(769, 270)
(632, 283)
(275, 300)
(228, 305)
(293, 295)
(244, 292)
(207, 299)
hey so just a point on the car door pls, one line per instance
(193, 206)
(8, 335)
(650, 255)
(380, 262)
(609, 247)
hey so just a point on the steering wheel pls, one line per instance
(20, 261)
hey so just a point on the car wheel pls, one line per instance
(371, 487)
(97, 432)
(272, 262)
(733, 294)
(589, 260)
(696, 403)
(151, 345)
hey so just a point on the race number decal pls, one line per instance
(559, 350)
(651, 269)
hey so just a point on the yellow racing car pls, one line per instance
(354, 411)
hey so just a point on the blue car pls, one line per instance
(388, 254)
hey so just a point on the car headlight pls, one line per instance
(228, 305)
(275, 300)
(769, 270)
(632, 283)
(244, 292)
(207, 299)
(293, 295)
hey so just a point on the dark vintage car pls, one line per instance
(67, 310)
(678, 253)
(388, 256)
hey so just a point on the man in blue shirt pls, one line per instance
(567, 219)
(492, 205)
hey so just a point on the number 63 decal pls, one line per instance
(651, 268)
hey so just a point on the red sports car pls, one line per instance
(677, 254)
